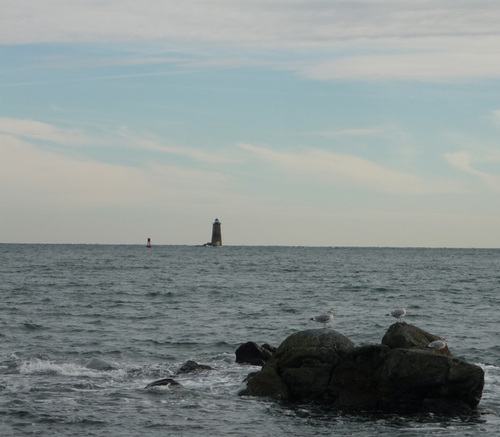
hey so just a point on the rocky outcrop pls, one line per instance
(252, 353)
(323, 365)
(301, 367)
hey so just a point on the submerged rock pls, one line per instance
(164, 382)
(98, 364)
(323, 365)
(192, 366)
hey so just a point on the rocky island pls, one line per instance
(402, 374)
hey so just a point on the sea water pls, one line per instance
(85, 328)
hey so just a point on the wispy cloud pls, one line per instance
(351, 170)
(464, 161)
(37, 130)
(50, 179)
(212, 157)
(496, 116)
(354, 40)
(432, 65)
(350, 132)
(312, 22)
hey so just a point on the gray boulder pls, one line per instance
(323, 365)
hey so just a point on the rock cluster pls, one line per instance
(402, 374)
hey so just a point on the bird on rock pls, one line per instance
(437, 344)
(398, 314)
(324, 318)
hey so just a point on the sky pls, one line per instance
(294, 122)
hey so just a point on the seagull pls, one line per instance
(324, 318)
(437, 344)
(401, 312)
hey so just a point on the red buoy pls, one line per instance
(149, 243)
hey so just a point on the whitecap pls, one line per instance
(36, 366)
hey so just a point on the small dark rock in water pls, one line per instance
(162, 382)
(192, 366)
(98, 364)
(252, 353)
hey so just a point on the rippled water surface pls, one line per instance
(84, 328)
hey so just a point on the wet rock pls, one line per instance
(300, 368)
(323, 365)
(405, 336)
(405, 380)
(252, 353)
(164, 382)
(192, 366)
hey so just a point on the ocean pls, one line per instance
(84, 329)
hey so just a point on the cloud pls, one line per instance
(45, 179)
(343, 169)
(213, 157)
(39, 131)
(350, 132)
(355, 40)
(463, 161)
(255, 22)
(435, 65)
(496, 116)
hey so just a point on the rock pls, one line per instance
(192, 366)
(252, 353)
(300, 368)
(164, 382)
(323, 365)
(405, 336)
(269, 348)
(405, 380)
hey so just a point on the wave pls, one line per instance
(37, 366)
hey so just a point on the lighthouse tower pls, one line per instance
(216, 233)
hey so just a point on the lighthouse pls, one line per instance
(216, 233)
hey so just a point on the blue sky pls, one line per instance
(360, 123)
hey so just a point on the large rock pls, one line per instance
(301, 367)
(323, 365)
(405, 380)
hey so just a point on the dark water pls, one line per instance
(147, 311)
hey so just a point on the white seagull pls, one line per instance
(401, 312)
(437, 344)
(324, 318)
